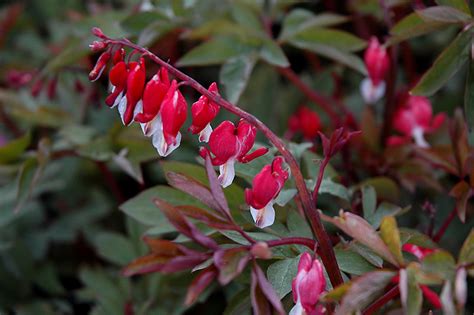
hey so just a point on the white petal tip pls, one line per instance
(263, 217)
(227, 173)
(371, 93)
(205, 134)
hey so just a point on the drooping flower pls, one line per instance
(99, 67)
(307, 286)
(153, 96)
(171, 117)
(131, 103)
(203, 112)
(229, 144)
(265, 188)
(305, 121)
(414, 119)
(377, 62)
(418, 251)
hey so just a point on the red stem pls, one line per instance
(327, 253)
(384, 299)
(445, 225)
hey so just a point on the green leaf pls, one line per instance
(297, 225)
(350, 60)
(383, 210)
(367, 254)
(469, 95)
(415, 237)
(27, 178)
(412, 26)
(443, 14)
(154, 31)
(281, 273)
(458, 4)
(215, 51)
(385, 187)
(414, 301)
(142, 208)
(234, 75)
(391, 236)
(273, 54)
(245, 16)
(337, 39)
(299, 20)
(466, 255)
(369, 201)
(445, 66)
(70, 55)
(335, 189)
(440, 263)
(13, 149)
(115, 248)
(351, 262)
(363, 291)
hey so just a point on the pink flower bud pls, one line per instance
(98, 32)
(99, 66)
(414, 118)
(135, 87)
(229, 144)
(203, 112)
(97, 46)
(307, 286)
(265, 188)
(306, 121)
(261, 250)
(173, 115)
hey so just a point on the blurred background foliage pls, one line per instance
(66, 163)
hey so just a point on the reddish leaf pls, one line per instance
(163, 264)
(209, 218)
(183, 225)
(462, 192)
(216, 188)
(230, 263)
(193, 188)
(263, 297)
(199, 284)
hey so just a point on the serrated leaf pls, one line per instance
(234, 75)
(445, 66)
(443, 14)
(212, 52)
(281, 273)
(273, 54)
(412, 26)
(299, 20)
(458, 4)
(369, 201)
(337, 39)
(351, 262)
(350, 60)
(13, 149)
(391, 236)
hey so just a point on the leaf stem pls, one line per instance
(311, 244)
(327, 253)
(384, 299)
(319, 180)
(445, 225)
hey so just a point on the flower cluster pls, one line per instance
(377, 62)
(161, 110)
(307, 286)
(413, 119)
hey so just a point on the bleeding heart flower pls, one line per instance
(99, 67)
(131, 104)
(166, 125)
(265, 188)
(377, 62)
(153, 96)
(306, 121)
(229, 144)
(413, 119)
(203, 112)
(118, 79)
(307, 286)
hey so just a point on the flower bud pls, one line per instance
(98, 32)
(99, 66)
(97, 46)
